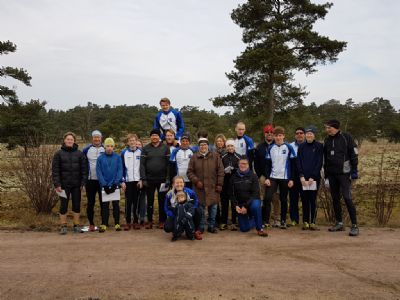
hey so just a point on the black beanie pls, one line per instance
(155, 131)
(333, 123)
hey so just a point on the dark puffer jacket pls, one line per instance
(69, 168)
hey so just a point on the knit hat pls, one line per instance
(109, 142)
(202, 140)
(311, 128)
(269, 128)
(185, 136)
(155, 131)
(96, 133)
(230, 142)
(333, 123)
(279, 130)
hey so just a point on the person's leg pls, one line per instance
(189, 229)
(233, 213)
(255, 212)
(115, 206)
(135, 203)
(244, 222)
(283, 193)
(313, 205)
(334, 186)
(129, 194)
(142, 205)
(197, 218)
(269, 193)
(306, 206)
(276, 203)
(150, 190)
(162, 216)
(91, 190)
(202, 223)
(169, 225)
(345, 187)
(212, 212)
(99, 190)
(63, 210)
(76, 204)
(105, 213)
(224, 206)
(294, 193)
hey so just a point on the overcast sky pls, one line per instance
(131, 52)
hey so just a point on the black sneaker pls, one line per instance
(174, 239)
(78, 229)
(63, 230)
(354, 231)
(283, 225)
(337, 227)
(212, 230)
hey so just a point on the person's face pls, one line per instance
(240, 129)
(331, 130)
(185, 143)
(69, 141)
(96, 140)
(269, 136)
(299, 136)
(154, 138)
(179, 184)
(109, 149)
(132, 143)
(279, 138)
(230, 148)
(310, 137)
(139, 144)
(181, 198)
(169, 137)
(165, 106)
(243, 165)
(203, 147)
(219, 143)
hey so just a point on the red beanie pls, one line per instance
(269, 128)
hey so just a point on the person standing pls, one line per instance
(131, 181)
(92, 152)
(154, 171)
(295, 193)
(69, 173)
(109, 172)
(340, 167)
(179, 160)
(244, 144)
(169, 118)
(142, 193)
(206, 172)
(259, 167)
(309, 161)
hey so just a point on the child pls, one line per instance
(184, 212)
(109, 173)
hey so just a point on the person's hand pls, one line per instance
(327, 183)
(244, 210)
(303, 181)
(290, 183)
(107, 190)
(145, 184)
(58, 189)
(218, 189)
(267, 182)
(354, 175)
(310, 181)
(238, 210)
(199, 185)
(140, 184)
(123, 186)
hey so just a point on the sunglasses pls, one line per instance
(299, 132)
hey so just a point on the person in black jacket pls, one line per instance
(230, 160)
(154, 171)
(69, 172)
(340, 167)
(245, 194)
(309, 164)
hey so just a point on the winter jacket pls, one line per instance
(131, 164)
(171, 202)
(179, 162)
(172, 119)
(209, 170)
(69, 167)
(244, 145)
(259, 158)
(340, 154)
(244, 188)
(154, 163)
(309, 160)
(109, 170)
(230, 162)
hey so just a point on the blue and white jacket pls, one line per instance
(244, 145)
(131, 164)
(109, 169)
(180, 161)
(172, 119)
(280, 161)
(171, 202)
(92, 153)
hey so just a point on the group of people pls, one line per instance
(214, 180)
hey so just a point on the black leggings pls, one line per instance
(92, 188)
(225, 206)
(105, 214)
(75, 194)
(283, 193)
(309, 203)
(150, 191)
(131, 202)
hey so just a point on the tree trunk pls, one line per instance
(269, 101)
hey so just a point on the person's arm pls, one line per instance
(220, 173)
(299, 162)
(249, 150)
(257, 161)
(193, 196)
(143, 159)
(56, 170)
(84, 169)
(167, 157)
(191, 172)
(169, 210)
(119, 178)
(316, 173)
(99, 173)
(231, 192)
(255, 190)
(325, 156)
(292, 162)
(123, 165)
(353, 154)
(180, 125)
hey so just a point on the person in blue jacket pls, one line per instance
(109, 174)
(169, 118)
(244, 145)
(310, 156)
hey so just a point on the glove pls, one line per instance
(354, 175)
(199, 185)
(228, 170)
(108, 190)
(113, 188)
(218, 189)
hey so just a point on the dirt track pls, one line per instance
(143, 264)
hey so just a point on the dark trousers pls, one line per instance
(105, 214)
(225, 206)
(92, 188)
(283, 193)
(74, 194)
(340, 185)
(151, 188)
(309, 201)
(295, 193)
(142, 204)
(170, 222)
(253, 218)
(131, 202)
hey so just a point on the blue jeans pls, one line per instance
(252, 218)
(212, 213)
